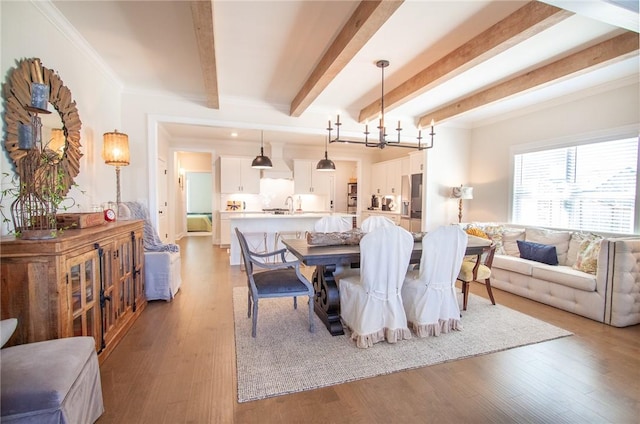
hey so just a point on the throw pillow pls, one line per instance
(543, 253)
(587, 260)
(475, 231)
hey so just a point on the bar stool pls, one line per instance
(281, 235)
(257, 242)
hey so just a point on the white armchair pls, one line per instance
(162, 276)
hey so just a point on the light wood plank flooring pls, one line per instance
(177, 365)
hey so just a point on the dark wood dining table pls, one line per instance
(326, 258)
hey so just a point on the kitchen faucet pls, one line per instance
(289, 202)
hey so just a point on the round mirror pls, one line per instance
(60, 132)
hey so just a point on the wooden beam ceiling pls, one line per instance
(202, 13)
(614, 49)
(365, 21)
(524, 23)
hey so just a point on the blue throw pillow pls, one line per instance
(538, 252)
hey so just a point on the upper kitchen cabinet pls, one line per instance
(386, 178)
(307, 180)
(394, 177)
(237, 176)
(416, 162)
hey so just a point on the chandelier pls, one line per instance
(381, 142)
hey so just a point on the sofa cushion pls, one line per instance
(514, 264)
(587, 259)
(510, 238)
(565, 276)
(559, 239)
(544, 253)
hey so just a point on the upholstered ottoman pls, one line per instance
(55, 381)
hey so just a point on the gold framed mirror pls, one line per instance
(17, 95)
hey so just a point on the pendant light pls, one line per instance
(261, 161)
(326, 164)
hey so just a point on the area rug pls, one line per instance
(286, 358)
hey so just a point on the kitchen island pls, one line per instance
(261, 226)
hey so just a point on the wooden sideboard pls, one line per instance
(85, 282)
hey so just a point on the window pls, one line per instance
(584, 187)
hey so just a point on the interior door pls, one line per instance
(162, 187)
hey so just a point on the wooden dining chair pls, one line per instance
(477, 270)
(278, 279)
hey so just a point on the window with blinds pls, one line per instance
(585, 187)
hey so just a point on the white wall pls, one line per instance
(26, 32)
(615, 112)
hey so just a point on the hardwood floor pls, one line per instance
(177, 365)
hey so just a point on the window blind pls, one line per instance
(585, 187)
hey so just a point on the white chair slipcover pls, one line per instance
(374, 222)
(333, 224)
(428, 294)
(370, 300)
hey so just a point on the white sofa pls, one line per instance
(610, 294)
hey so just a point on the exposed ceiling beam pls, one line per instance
(202, 12)
(524, 23)
(623, 14)
(607, 52)
(365, 21)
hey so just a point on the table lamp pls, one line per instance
(115, 152)
(461, 193)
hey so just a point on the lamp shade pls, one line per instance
(261, 161)
(462, 192)
(326, 165)
(115, 149)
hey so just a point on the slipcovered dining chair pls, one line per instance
(429, 294)
(477, 270)
(333, 224)
(279, 279)
(374, 222)
(370, 300)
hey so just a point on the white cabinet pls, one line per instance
(225, 230)
(386, 178)
(416, 162)
(393, 177)
(378, 177)
(308, 180)
(237, 176)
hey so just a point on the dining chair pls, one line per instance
(370, 299)
(429, 294)
(476, 270)
(374, 222)
(333, 224)
(278, 279)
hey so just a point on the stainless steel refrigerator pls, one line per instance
(411, 202)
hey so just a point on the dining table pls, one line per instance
(327, 258)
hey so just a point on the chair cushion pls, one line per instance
(466, 272)
(279, 282)
(544, 253)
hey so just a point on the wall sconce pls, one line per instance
(115, 152)
(461, 193)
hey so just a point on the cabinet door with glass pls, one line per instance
(124, 278)
(83, 279)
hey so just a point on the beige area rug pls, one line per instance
(285, 357)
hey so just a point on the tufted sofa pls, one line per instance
(605, 287)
